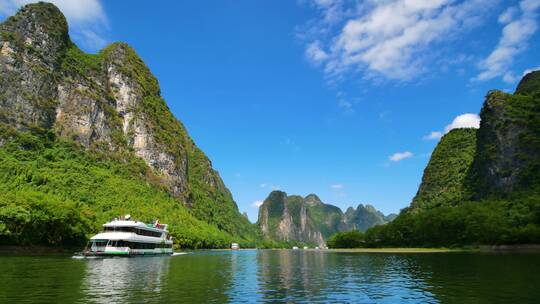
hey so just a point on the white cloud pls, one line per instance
(315, 53)
(269, 186)
(346, 106)
(332, 10)
(400, 156)
(256, 204)
(433, 135)
(514, 40)
(342, 103)
(86, 18)
(509, 77)
(392, 38)
(527, 71)
(509, 15)
(468, 120)
(337, 186)
(89, 39)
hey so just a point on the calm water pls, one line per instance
(274, 276)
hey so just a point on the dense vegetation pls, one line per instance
(508, 158)
(469, 223)
(443, 181)
(93, 138)
(52, 192)
(480, 187)
(346, 239)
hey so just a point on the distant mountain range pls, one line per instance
(308, 219)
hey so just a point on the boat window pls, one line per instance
(148, 233)
(100, 242)
(137, 245)
(134, 230)
(119, 229)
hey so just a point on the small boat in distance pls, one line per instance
(126, 237)
(235, 246)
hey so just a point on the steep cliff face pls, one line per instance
(443, 182)
(480, 186)
(105, 102)
(294, 218)
(507, 161)
(499, 160)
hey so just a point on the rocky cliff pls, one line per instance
(308, 219)
(500, 160)
(507, 161)
(108, 102)
(481, 187)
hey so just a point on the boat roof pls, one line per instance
(130, 223)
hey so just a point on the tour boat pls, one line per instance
(126, 237)
(235, 246)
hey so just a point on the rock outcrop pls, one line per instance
(500, 160)
(107, 102)
(508, 146)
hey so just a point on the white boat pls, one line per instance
(126, 237)
(235, 246)
(295, 248)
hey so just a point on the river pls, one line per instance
(252, 276)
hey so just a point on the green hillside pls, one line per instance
(444, 177)
(52, 192)
(481, 187)
(106, 111)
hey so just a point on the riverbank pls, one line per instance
(483, 248)
(37, 250)
(44, 250)
(395, 250)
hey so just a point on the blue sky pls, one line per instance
(343, 99)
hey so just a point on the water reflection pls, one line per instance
(203, 277)
(40, 279)
(274, 276)
(125, 280)
(313, 276)
(482, 277)
(243, 286)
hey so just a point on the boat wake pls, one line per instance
(81, 257)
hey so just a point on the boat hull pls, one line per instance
(123, 254)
